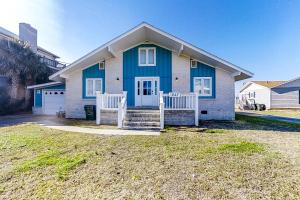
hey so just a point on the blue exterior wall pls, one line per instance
(92, 72)
(38, 97)
(203, 70)
(163, 70)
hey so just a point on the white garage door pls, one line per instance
(54, 101)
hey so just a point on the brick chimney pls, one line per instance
(29, 34)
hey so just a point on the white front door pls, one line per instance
(146, 91)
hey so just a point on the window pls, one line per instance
(193, 64)
(147, 56)
(92, 86)
(203, 85)
(101, 65)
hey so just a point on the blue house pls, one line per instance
(145, 78)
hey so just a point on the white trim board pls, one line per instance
(44, 85)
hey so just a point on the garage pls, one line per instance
(54, 101)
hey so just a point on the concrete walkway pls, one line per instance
(57, 123)
(103, 131)
(272, 117)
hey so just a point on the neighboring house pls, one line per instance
(14, 96)
(28, 34)
(274, 94)
(128, 73)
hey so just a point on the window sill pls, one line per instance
(88, 98)
(147, 65)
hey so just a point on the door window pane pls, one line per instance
(149, 87)
(145, 91)
(155, 89)
(146, 87)
(138, 88)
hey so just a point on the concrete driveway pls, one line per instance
(10, 120)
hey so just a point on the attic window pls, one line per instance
(102, 65)
(147, 56)
(193, 64)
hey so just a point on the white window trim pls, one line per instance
(202, 86)
(147, 57)
(94, 81)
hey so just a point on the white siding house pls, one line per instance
(146, 68)
(274, 94)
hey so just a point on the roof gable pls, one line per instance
(145, 32)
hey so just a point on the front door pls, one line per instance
(146, 91)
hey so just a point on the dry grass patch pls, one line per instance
(281, 113)
(216, 161)
(86, 124)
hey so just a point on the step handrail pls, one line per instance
(161, 110)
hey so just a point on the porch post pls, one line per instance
(196, 109)
(161, 110)
(98, 107)
(120, 115)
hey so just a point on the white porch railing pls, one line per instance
(122, 109)
(161, 110)
(107, 102)
(178, 101)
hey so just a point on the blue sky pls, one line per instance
(262, 36)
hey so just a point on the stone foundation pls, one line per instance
(109, 117)
(180, 117)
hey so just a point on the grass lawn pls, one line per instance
(86, 124)
(220, 160)
(281, 113)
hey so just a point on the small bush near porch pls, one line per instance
(230, 160)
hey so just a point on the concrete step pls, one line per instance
(143, 118)
(141, 124)
(128, 114)
(147, 128)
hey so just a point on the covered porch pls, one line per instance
(166, 109)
